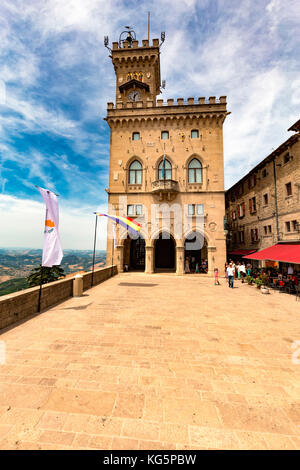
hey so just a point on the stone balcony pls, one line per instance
(165, 187)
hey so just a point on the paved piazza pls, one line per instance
(155, 362)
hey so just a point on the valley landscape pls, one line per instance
(17, 263)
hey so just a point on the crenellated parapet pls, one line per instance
(135, 44)
(170, 102)
(205, 112)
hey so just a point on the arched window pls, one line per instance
(135, 173)
(165, 170)
(195, 171)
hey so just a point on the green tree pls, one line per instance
(46, 274)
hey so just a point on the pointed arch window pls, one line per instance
(135, 173)
(195, 171)
(165, 170)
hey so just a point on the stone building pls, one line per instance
(263, 207)
(166, 168)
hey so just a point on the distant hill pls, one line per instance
(13, 285)
(16, 265)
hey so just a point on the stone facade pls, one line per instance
(274, 214)
(163, 137)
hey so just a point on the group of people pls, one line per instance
(194, 266)
(238, 270)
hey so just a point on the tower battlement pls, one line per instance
(134, 45)
(212, 100)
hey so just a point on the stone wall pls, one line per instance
(20, 305)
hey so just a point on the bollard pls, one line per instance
(78, 285)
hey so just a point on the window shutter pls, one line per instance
(250, 206)
(243, 208)
(256, 234)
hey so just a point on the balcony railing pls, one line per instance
(165, 186)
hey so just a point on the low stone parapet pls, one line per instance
(20, 305)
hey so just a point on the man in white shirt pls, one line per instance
(242, 271)
(230, 273)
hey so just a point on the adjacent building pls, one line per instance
(166, 168)
(263, 207)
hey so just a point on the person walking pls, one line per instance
(216, 273)
(234, 267)
(249, 269)
(230, 274)
(242, 271)
(226, 273)
(238, 270)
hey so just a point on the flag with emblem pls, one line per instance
(52, 250)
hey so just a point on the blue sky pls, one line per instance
(56, 78)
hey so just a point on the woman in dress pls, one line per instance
(187, 266)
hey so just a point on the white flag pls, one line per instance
(52, 251)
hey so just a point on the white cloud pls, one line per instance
(22, 224)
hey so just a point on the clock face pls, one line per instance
(134, 96)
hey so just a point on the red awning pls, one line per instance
(241, 252)
(285, 253)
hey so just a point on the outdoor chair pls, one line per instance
(290, 287)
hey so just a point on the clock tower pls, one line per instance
(166, 169)
(137, 70)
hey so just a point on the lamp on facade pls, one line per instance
(106, 42)
(162, 37)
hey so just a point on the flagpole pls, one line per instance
(40, 291)
(95, 237)
(41, 279)
(53, 259)
(112, 253)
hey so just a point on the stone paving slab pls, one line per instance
(155, 362)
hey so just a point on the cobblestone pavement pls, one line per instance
(155, 362)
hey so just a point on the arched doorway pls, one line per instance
(165, 252)
(134, 253)
(195, 249)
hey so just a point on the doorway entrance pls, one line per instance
(137, 254)
(165, 253)
(195, 251)
(134, 254)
